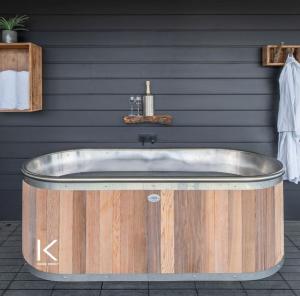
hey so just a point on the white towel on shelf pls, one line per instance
(14, 90)
(288, 123)
(22, 90)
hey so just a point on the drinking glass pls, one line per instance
(138, 101)
(132, 102)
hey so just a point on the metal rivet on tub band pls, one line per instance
(153, 198)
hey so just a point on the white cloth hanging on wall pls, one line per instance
(14, 90)
(288, 123)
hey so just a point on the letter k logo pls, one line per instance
(45, 250)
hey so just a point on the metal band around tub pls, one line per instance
(244, 276)
(146, 184)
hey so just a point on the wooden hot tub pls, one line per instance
(153, 214)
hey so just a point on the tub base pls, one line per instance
(148, 235)
(246, 276)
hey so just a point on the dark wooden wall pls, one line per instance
(204, 61)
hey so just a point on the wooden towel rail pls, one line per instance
(275, 55)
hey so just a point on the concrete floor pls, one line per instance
(15, 280)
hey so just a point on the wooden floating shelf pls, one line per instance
(24, 57)
(275, 55)
(160, 119)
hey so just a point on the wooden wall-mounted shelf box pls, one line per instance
(275, 55)
(24, 57)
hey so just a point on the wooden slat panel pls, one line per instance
(221, 231)
(53, 223)
(248, 230)
(153, 235)
(261, 226)
(235, 241)
(29, 220)
(106, 229)
(140, 231)
(79, 232)
(40, 257)
(116, 232)
(36, 83)
(92, 232)
(167, 232)
(270, 228)
(207, 224)
(279, 218)
(127, 237)
(186, 232)
(66, 210)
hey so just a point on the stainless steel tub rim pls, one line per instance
(153, 165)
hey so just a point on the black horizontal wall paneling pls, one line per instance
(162, 86)
(162, 102)
(26, 150)
(214, 7)
(82, 23)
(204, 61)
(155, 71)
(164, 38)
(114, 118)
(129, 134)
(141, 54)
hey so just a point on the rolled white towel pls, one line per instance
(22, 90)
(8, 89)
(14, 90)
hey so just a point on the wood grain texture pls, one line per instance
(275, 55)
(161, 119)
(167, 232)
(187, 231)
(24, 57)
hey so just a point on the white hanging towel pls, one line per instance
(288, 123)
(14, 90)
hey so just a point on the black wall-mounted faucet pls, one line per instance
(147, 139)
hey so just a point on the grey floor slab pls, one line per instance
(7, 276)
(78, 286)
(16, 262)
(221, 292)
(76, 293)
(270, 293)
(28, 293)
(219, 285)
(265, 285)
(171, 285)
(32, 285)
(173, 293)
(124, 285)
(291, 276)
(128, 293)
(294, 284)
(4, 284)
(26, 276)
(9, 268)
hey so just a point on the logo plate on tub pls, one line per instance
(153, 198)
